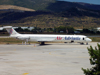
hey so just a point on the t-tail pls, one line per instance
(11, 31)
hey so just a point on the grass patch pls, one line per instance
(95, 39)
(9, 41)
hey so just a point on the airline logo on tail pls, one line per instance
(11, 31)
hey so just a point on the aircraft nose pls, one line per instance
(88, 39)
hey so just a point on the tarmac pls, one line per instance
(49, 59)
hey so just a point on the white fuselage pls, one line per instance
(55, 38)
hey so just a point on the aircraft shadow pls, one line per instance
(44, 44)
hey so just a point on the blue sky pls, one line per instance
(86, 1)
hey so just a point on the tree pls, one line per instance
(70, 29)
(65, 29)
(49, 29)
(86, 31)
(94, 60)
(26, 30)
(19, 29)
(62, 28)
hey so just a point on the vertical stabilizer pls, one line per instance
(10, 30)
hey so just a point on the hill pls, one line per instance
(90, 6)
(44, 19)
(53, 13)
(12, 7)
(32, 4)
(51, 5)
(60, 6)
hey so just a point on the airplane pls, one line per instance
(47, 38)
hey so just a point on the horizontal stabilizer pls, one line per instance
(5, 27)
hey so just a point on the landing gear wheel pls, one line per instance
(42, 43)
(82, 43)
(86, 43)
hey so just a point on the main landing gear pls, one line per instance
(82, 43)
(42, 43)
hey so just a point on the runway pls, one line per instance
(49, 59)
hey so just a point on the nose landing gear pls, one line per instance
(87, 43)
(83, 43)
